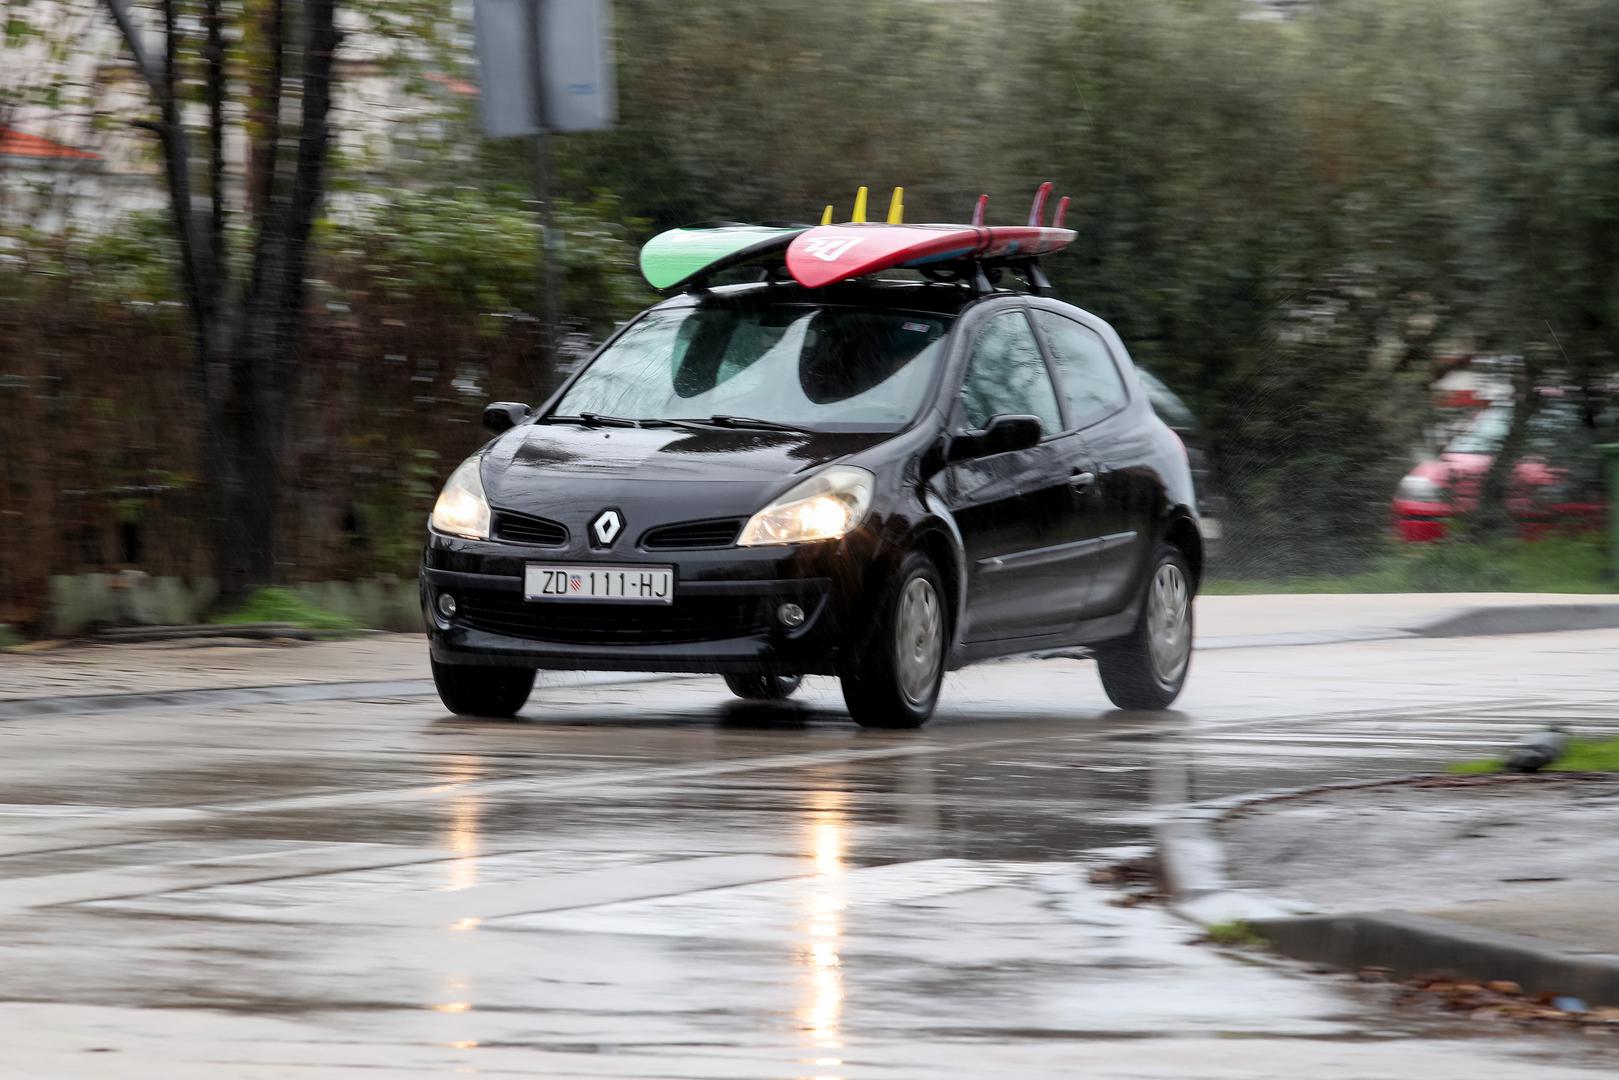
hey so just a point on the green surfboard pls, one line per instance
(672, 259)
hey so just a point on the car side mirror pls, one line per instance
(1002, 434)
(501, 416)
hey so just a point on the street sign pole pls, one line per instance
(549, 278)
(545, 67)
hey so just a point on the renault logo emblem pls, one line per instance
(607, 526)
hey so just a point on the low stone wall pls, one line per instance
(83, 602)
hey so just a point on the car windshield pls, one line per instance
(1551, 426)
(817, 368)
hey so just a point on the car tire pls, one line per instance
(476, 690)
(894, 681)
(764, 687)
(1147, 669)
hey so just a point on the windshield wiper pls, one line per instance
(721, 420)
(592, 419)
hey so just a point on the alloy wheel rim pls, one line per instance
(918, 640)
(1169, 611)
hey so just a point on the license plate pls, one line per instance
(621, 584)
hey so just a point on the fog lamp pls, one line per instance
(446, 605)
(791, 615)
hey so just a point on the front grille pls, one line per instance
(693, 534)
(688, 619)
(526, 529)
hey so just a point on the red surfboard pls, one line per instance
(830, 253)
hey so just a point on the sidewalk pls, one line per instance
(1223, 622)
(1482, 878)
(205, 664)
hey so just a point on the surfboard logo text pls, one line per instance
(829, 249)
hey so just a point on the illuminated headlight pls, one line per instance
(824, 507)
(461, 509)
(1421, 489)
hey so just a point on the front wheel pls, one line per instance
(894, 683)
(764, 687)
(475, 690)
(1147, 669)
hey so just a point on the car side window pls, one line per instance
(1090, 381)
(1006, 374)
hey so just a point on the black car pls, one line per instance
(876, 480)
(1178, 415)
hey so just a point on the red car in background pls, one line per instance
(1545, 492)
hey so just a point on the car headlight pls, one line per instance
(461, 508)
(1421, 489)
(824, 507)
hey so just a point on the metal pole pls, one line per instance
(550, 253)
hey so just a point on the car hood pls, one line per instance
(677, 473)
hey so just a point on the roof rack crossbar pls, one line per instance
(1039, 284)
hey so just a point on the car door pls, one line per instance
(1118, 503)
(1017, 510)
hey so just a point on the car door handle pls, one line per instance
(1081, 481)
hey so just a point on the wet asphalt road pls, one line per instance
(652, 880)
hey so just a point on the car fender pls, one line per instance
(1180, 527)
(937, 530)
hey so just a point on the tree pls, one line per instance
(245, 307)
(1542, 159)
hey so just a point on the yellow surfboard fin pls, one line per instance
(826, 215)
(896, 207)
(859, 206)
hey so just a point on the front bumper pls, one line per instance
(723, 618)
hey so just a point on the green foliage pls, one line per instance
(392, 514)
(278, 605)
(1234, 934)
(1582, 755)
(1574, 564)
(9, 638)
(479, 253)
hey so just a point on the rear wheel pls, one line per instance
(894, 683)
(475, 690)
(1147, 669)
(764, 687)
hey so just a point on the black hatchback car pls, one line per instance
(876, 480)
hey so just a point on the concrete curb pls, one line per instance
(289, 694)
(138, 635)
(1418, 944)
(1196, 875)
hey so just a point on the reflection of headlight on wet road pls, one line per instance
(826, 902)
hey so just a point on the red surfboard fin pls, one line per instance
(978, 211)
(1061, 215)
(1037, 212)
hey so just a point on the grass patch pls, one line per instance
(278, 605)
(1556, 565)
(1236, 934)
(1582, 756)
